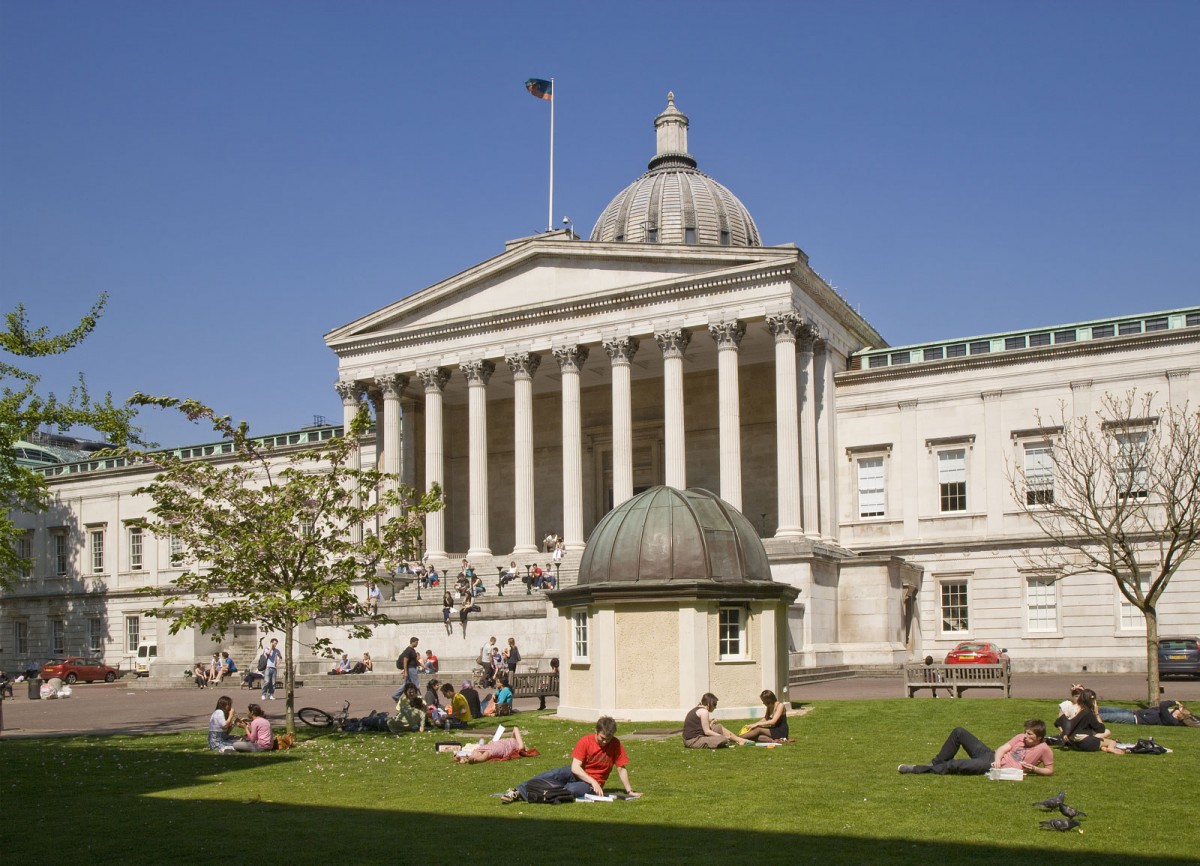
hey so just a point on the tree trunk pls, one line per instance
(1151, 614)
(289, 720)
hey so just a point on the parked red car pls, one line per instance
(75, 668)
(973, 652)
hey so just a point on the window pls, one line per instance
(730, 637)
(955, 614)
(981, 347)
(689, 235)
(934, 354)
(1011, 343)
(24, 550)
(1042, 339)
(1039, 474)
(1064, 336)
(901, 357)
(651, 235)
(95, 635)
(133, 631)
(956, 350)
(1041, 596)
(952, 479)
(58, 637)
(96, 537)
(870, 487)
(62, 554)
(724, 237)
(21, 637)
(579, 641)
(176, 549)
(1132, 619)
(135, 549)
(306, 528)
(1099, 332)
(1129, 474)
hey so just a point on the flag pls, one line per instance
(540, 88)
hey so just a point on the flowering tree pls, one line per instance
(277, 538)
(1118, 494)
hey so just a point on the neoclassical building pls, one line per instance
(548, 385)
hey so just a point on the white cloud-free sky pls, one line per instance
(242, 177)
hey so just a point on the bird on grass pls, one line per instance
(1054, 802)
(1060, 824)
(1071, 811)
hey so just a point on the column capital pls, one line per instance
(673, 341)
(477, 372)
(792, 328)
(351, 393)
(434, 378)
(621, 349)
(728, 335)
(392, 384)
(523, 364)
(571, 358)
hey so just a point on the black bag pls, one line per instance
(1147, 747)
(542, 791)
(262, 662)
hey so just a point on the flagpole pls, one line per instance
(550, 211)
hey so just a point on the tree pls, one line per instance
(271, 538)
(23, 411)
(1118, 494)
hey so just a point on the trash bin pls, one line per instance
(35, 689)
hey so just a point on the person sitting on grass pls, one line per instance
(592, 759)
(220, 723)
(472, 698)
(258, 733)
(1026, 752)
(701, 732)
(457, 709)
(1083, 731)
(773, 726)
(410, 712)
(497, 750)
(501, 703)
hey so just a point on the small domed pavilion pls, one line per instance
(675, 599)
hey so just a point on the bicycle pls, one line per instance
(317, 718)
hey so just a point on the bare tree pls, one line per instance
(1117, 494)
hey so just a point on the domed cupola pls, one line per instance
(673, 202)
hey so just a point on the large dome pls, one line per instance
(673, 202)
(665, 534)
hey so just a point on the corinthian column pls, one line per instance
(391, 386)
(728, 336)
(434, 380)
(570, 361)
(808, 428)
(523, 366)
(785, 329)
(827, 442)
(620, 353)
(673, 344)
(478, 373)
(352, 394)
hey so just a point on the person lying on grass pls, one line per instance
(592, 759)
(1165, 713)
(701, 732)
(773, 727)
(502, 749)
(1026, 751)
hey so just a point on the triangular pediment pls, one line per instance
(548, 274)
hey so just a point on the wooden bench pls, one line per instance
(955, 679)
(534, 685)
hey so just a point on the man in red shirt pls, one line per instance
(592, 760)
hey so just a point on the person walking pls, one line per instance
(272, 656)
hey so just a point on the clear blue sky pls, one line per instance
(242, 177)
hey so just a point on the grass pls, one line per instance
(832, 797)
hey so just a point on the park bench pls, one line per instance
(955, 679)
(535, 685)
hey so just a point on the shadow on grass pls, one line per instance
(120, 801)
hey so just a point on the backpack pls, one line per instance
(262, 662)
(1147, 747)
(543, 791)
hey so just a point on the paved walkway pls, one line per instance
(107, 709)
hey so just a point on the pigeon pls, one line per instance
(1071, 811)
(1060, 824)
(1054, 802)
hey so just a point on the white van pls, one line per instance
(147, 654)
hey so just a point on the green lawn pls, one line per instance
(833, 796)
